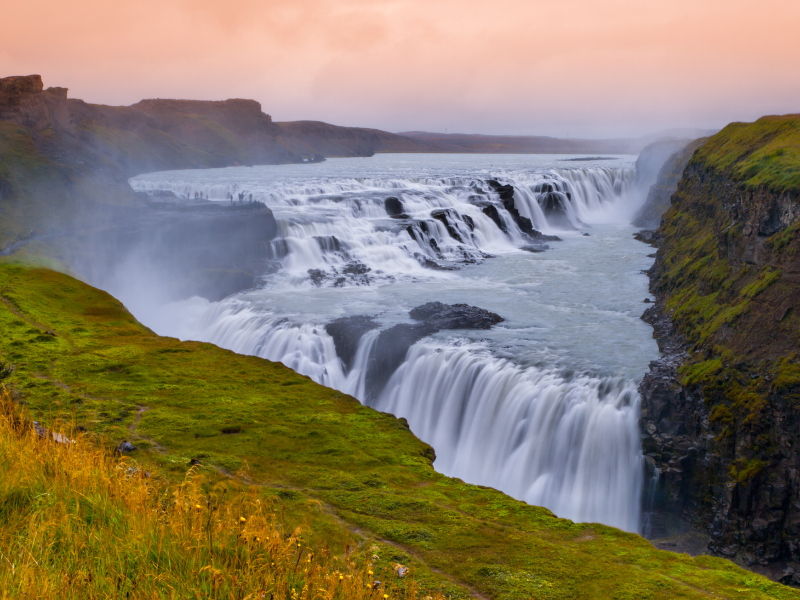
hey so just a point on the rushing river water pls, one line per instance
(544, 405)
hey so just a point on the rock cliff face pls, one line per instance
(179, 250)
(172, 134)
(64, 183)
(721, 409)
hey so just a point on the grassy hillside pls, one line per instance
(81, 522)
(761, 154)
(340, 469)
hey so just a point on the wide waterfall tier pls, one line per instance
(542, 405)
(353, 231)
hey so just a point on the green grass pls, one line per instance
(78, 522)
(761, 154)
(340, 469)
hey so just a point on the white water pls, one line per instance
(543, 406)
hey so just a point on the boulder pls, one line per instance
(392, 344)
(390, 351)
(393, 206)
(446, 217)
(455, 316)
(506, 193)
(125, 447)
(490, 211)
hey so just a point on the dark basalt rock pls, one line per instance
(328, 243)
(535, 248)
(125, 447)
(506, 193)
(701, 436)
(317, 276)
(554, 207)
(455, 316)
(490, 211)
(392, 344)
(346, 333)
(356, 268)
(390, 351)
(393, 206)
(446, 216)
(648, 236)
(432, 264)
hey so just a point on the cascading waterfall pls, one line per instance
(565, 440)
(569, 446)
(327, 225)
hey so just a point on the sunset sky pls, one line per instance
(550, 67)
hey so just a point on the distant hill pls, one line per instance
(316, 137)
(532, 144)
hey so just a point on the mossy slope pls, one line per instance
(77, 351)
(761, 154)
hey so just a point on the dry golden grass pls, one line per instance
(78, 522)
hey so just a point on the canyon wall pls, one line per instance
(721, 409)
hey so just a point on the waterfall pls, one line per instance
(571, 446)
(327, 225)
(650, 503)
(566, 439)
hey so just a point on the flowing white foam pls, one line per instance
(571, 446)
(327, 224)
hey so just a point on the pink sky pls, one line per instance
(577, 67)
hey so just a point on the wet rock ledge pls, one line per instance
(392, 344)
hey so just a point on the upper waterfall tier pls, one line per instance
(347, 230)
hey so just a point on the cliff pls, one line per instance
(720, 410)
(65, 169)
(536, 144)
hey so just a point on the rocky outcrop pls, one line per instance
(506, 193)
(455, 316)
(308, 137)
(393, 206)
(392, 344)
(192, 249)
(719, 418)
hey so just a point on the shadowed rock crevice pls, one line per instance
(347, 333)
